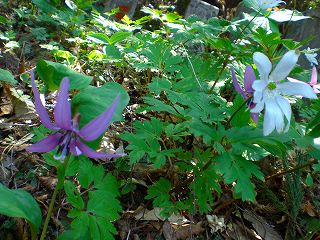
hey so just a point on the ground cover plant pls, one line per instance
(156, 127)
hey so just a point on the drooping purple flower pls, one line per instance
(68, 137)
(247, 92)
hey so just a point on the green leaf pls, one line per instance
(274, 143)
(6, 76)
(145, 141)
(85, 175)
(73, 195)
(94, 229)
(52, 73)
(205, 182)
(3, 20)
(92, 101)
(242, 117)
(200, 129)
(118, 37)
(44, 6)
(112, 53)
(103, 207)
(89, 173)
(158, 106)
(160, 192)
(99, 38)
(19, 203)
(237, 169)
(79, 226)
(309, 180)
(176, 132)
(159, 84)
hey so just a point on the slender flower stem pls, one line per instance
(54, 196)
(239, 108)
(245, 27)
(225, 62)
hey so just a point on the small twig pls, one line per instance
(291, 170)
(225, 63)
(128, 234)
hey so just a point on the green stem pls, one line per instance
(54, 196)
(245, 27)
(225, 62)
(239, 108)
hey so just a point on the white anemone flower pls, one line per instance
(265, 4)
(271, 89)
(311, 56)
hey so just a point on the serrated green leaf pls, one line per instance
(159, 84)
(86, 173)
(73, 195)
(158, 105)
(103, 207)
(94, 229)
(160, 192)
(237, 169)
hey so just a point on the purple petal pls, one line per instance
(236, 84)
(74, 148)
(97, 126)
(41, 110)
(45, 145)
(249, 78)
(62, 110)
(93, 154)
(255, 117)
(314, 76)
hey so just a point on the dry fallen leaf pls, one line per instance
(263, 229)
(238, 231)
(154, 215)
(215, 223)
(188, 230)
(6, 109)
(168, 231)
(48, 182)
(309, 209)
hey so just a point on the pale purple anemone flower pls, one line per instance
(249, 78)
(313, 81)
(67, 135)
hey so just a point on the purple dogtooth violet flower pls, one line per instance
(249, 78)
(67, 136)
(313, 82)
